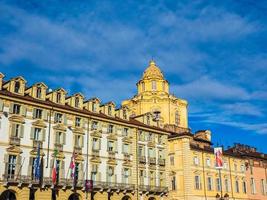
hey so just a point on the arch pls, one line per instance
(74, 196)
(126, 198)
(8, 195)
(152, 198)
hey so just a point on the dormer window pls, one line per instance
(143, 87)
(78, 122)
(110, 128)
(58, 97)
(39, 92)
(77, 102)
(154, 86)
(93, 106)
(148, 120)
(109, 110)
(163, 86)
(124, 114)
(16, 109)
(17, 87)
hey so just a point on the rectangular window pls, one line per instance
(226, 183)
(37, 134)
(154, 86)
(196, 160)
(110, 146)
(125, 132)
(58, 118)
(78, 139)
(173, 183)
(109, 110)
(218, 184)
(11, 166)
(16, 109)
(94, 125)
(125, 149)
(37, 113)
(126, 175)
(236, 186)
(93, 106)
(78, 122)
(110, 128)
(141, 151)
(263, 187)
(197, 183)
(60, 138)
(172, 160)
(244, 186)
(208, 162)
(94, 173)
(209, 183)
(252, 186)
(16, 130)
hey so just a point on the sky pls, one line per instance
(213, 53)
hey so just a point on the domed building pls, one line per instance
(154, 101)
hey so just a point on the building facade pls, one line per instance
(86, 150)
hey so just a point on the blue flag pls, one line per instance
(37, 164)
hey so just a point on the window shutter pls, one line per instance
(32, 133)
(82, 141)
(45, 114)
(21, 131)
(62, 169)
(6, 158)
(43, 134)
(65, 119)
(1, 105)
(81, 175)
(64, 138)
(116, 146)
(34, 113)
(11, 108)
(13, 127)
(23, 110)
(30, 166)
(57, 138)
(18, 166)
(99, 144)
(107, 144)
(99, 176)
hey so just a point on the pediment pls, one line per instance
(39, 123)
(16, 118)
(14, 149)
(60, 127)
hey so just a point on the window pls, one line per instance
(78, 141)
(94, 106)
(152, 178)
(95, 145)
(225, 165)
(124, 113)
(125, 149)
(177, 119)
(235, 166)
(218, 184)
(16, 130)
(60, 138)
(37, 134)
(11, 166)
(94, 125)
(126, 175)
(110, 174)
(263, 187)
(154, 86)
(109, 110)
(125, 132)
(58, 118)
(58, 99)
(163, 86)
(141, 151)
(160, 140)
(39, 92)
(209, 180)
(226, 183)
(244, 186)
(161, 179)
(141, 177)
(37, 113)
(148, 120)
(252, 186)
(151, 153)
(110, 128)
(173, 181)
(150, 137)
(17, 87)
(16, 109)
(236, 186)
(77, 102)
(110, 147)
(94, 172)
(172, 160)
(197, 183)
(208, 162)
(78, 122)
(143, 86)
(196, 160)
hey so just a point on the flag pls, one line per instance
(218, 157)
(37, 164)
(72, 165)
(54, 170)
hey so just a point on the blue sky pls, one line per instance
(212, 52)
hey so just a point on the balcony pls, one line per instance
(95, 152)
(111, 155)
(14, 141)
(161, 162)
(152, 161)
(142, 159)
(126, 157)
(59, 147)
(36, 143)
(78, 149)
(153, 189)
(64, 182)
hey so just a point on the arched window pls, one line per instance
(154, 86)
(93, 106)
(39, 92)
(143, 87)
(77, 102)
(58, 97)
(109, 110)
(177, 119)
(17, 87)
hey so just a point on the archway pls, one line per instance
(151, 198)
(74, 196)
(126, 198)
(8, 195)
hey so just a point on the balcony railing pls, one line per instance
(14, 141)
(78, 149)
(152, 161)
(59, 147)
(36, 143)
(153, 189)
(142, 159)
(161, 162)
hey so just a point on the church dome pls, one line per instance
(152, 72)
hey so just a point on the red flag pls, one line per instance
(54, 170)
(72, 165)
